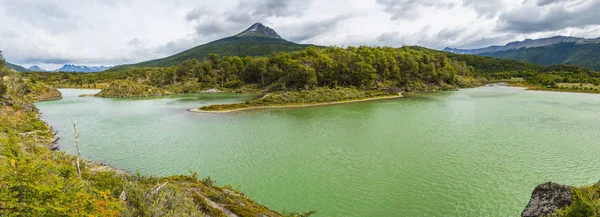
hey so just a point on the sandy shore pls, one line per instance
(297, 106)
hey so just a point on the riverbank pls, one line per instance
(38, 181)
(198, 110)
(562, 87)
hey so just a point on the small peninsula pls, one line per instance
(316, 97)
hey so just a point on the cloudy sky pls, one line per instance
(50, 33)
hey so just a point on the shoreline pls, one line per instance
(530, 87)
(197, 110)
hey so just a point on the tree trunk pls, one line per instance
(76, 134)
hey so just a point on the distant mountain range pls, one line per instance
(546, 51)
(257, 40)
(76, 68)
(64, 68)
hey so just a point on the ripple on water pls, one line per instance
(476, 152)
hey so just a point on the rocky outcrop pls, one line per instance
(546, 198)
(213, 90)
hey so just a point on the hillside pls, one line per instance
(17, 68)
(546, 51)
(584, 55)
(258, 40)
(527, 43)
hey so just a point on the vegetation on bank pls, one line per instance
(84, 86)
(37, 181)
(305, 97)
(365, 68)
(129, 89)
(560, 78)
(585, 202)
(11, 84)
(560, 87)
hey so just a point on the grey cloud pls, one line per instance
(208, 22)
(51, 59)
(548, 2)
(276, 8)
(447, 37)
(391, 39)
(175, 46)
(46, 15)
(450, 33)
(246, 12)
(485, 41)
(198, 13)
(410, 9)
(485, 8)
(531, 19)
(211, 27)
(314, 29)
(136, 42)
(239, 18)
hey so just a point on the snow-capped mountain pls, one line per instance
(259, 30)
(76, 68)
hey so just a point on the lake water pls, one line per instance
(475, 152)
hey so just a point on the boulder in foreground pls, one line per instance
(546, 198)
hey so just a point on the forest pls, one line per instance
(362, 67)
(366, 68)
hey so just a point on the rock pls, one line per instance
(213, 90)
(123, 196)
(546, 198)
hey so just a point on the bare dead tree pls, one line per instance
(76, 134)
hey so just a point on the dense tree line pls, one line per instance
(409, 68)
(361, 67)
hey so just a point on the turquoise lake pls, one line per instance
(474, 152)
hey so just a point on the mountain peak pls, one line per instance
(259, 30)
(36, 68)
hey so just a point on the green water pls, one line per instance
(476, 152)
